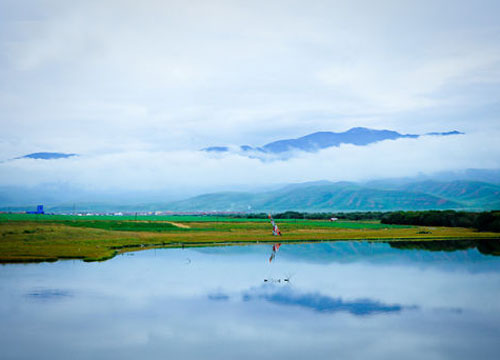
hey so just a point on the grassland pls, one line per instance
(32, 238)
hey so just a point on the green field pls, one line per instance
(173, 218)
(28, 238)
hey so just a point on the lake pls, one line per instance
(332, 300)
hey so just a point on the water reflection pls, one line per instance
(320, 303)
(460, 254)
(274, 251)
(48, 294)
(484, 246)
(396, 302)
(218, 297)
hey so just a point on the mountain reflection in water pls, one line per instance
(451, 254)
(484, 246)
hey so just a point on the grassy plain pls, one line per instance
(31, 238)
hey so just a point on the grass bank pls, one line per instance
(33, 238)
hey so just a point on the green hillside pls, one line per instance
(323, 197)
(471, 194)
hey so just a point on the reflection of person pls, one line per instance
(275, 249)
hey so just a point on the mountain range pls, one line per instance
(359, 136)
(472, 189)
(347, 196)
(320, 196)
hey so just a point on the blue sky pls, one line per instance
(137, 85)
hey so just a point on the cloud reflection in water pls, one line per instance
(322, 303)
(48, 294)
(218, 297)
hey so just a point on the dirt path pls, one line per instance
(182, 226)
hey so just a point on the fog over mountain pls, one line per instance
(178, 174)
(379, 195)
(322, 140)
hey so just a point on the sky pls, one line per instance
(137, 88)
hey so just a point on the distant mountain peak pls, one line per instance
(46, 156)
(359, 136)
(454, 132)
(359, 129)
(216, 149)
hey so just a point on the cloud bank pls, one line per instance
(140, 170)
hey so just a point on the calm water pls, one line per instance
(323, 301)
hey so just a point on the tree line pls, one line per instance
(482, 221)
(360, 215)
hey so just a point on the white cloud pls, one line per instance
(387, 84)
(195, 169)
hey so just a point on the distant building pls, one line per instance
(39, 210)
(333, 219)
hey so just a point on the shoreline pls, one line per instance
(49, 241)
